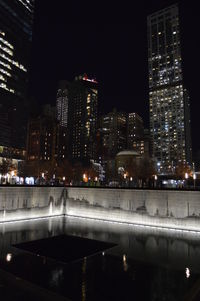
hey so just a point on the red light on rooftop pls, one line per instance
(92, 80)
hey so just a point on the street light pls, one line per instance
(125, 175)
(155, 178)
(131, 179)
(186, 177)
(85, 179)
(194, 178)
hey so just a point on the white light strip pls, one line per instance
(135, 225)
(101, 220)
(31, 219)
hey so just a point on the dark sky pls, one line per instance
(108, 40)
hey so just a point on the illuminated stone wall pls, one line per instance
(172, 209)
(30, 202)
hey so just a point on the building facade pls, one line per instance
(82, 128)
(113, 133)
(135, 133)
(62, 103)
(46, 142)
(168, 98)
(16, 18)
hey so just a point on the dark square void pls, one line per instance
(65, 248)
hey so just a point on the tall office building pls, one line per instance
(113, 134)
(135, 133)
(169, 102)
(16, 18)
(62, 103)
(83, 101)
(46, 140)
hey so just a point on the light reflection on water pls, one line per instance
(153, 263)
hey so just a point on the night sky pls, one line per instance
(108, 41)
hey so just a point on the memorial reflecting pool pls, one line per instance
(137, 263)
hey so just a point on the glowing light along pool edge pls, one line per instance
(31, 219)
(135, 224)
(100, 220)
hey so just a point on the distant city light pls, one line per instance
(187, 272)
(124, 258)
(8, 257)
(90, 80)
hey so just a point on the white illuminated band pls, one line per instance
(31, 219)
(100, 220)
(134, 225)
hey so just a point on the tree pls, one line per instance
(132, 168)
(146, 169)
(6, 166)
(181, 169)
(77, 172)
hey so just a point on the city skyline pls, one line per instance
(115, 51)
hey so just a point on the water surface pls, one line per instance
(145, 264)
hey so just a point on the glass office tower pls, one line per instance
(16, 18)
(169, 101)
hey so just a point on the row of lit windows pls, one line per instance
(15, 63)
(27, 5)
(6, 49)
(5, 87)
(6, 42)
(5, 72)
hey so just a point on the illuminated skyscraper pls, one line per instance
(113, 132)
(83, 101)
(169, 101)
(135, 133)
(62, 104)
(16, 18)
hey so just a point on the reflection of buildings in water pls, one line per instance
(83, 285)
(161, 248)
(174, 249)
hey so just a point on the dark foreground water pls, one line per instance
(142, 263)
